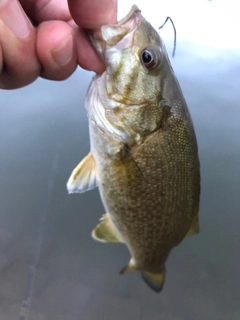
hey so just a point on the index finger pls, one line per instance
(93, 14)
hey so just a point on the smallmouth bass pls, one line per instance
(143, 156)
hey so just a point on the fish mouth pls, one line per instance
(112, 34)
(132, 11)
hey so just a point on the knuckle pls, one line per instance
(19, 64)
(16, 76)
(59, 74)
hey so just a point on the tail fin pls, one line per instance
(154, 280)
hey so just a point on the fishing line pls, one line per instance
(175, 34)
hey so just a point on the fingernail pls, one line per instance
(15, 18)
(63, 53)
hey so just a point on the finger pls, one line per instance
(43, 10)
(19, 65)
(93, 14)
(56, 49)
(88, 58)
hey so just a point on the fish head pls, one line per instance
(134, 55)
(137, 71)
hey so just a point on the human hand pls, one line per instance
(45, 41)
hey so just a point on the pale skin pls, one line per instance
(46, 38)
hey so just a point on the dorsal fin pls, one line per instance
(83, 177)
(194, 229)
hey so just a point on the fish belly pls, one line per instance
(149, 189)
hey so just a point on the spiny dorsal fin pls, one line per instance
(83, 177)
(194, 227)
(105, 231)
(129, 268)
(154, 280)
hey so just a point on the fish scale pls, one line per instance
(143, 155)
(148, 206)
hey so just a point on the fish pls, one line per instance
(143, 155)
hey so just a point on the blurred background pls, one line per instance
(50, 268)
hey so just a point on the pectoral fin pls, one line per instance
(105, 231)
(194, 227)
(154, 280)
(83, 177)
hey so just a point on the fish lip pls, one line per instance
(101, 38)
(124, 20)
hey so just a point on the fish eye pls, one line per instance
(148, 58)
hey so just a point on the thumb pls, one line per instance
(93, 14)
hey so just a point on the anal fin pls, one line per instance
(105, 231)
(129, 268)
(83, 177)
(154, 280)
